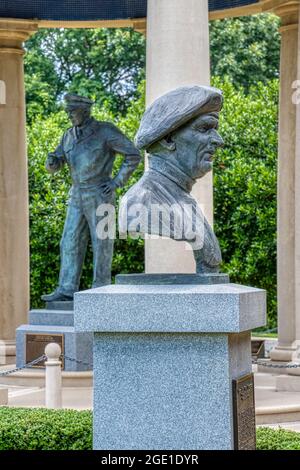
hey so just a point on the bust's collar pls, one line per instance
(171, 172)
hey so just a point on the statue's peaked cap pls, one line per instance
(174, 109)
(75, 100)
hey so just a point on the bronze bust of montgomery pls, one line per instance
(180, 133)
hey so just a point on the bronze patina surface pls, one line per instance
(180, 133)
(89, 149)
(35, 346)
(244, 413)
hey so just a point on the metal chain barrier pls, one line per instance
(254, 362)
(29, 364)
(71, 359)
(259, 362)
(41, 359)
(88, 364)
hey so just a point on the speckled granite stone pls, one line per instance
(51, 317)
(163, 391)
(62, 306)
(164, 361)
(216, 308)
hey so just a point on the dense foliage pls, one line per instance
(41, 429)
(105, 64)
(246, 49)
(109, 64)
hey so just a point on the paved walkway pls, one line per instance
(275, 409)
(288, 426)
(75, 398)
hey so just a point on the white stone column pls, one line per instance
(177, 55)
(288, 251)
(296, 102)
(14, 240)
(289, 326)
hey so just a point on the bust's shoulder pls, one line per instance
(144, 191)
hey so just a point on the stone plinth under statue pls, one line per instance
(165, 357)
(55, 323)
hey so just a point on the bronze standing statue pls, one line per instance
(89, 149)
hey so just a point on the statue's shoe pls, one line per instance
(57, 296)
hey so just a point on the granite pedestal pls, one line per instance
(55, 322)
(165, 357)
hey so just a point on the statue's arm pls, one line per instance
(119, 143)
(56, 160)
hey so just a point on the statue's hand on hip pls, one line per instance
(107, 188)
(52, 162)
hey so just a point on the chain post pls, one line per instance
(53, 379)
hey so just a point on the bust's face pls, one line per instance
(77, 115)
(196, 144)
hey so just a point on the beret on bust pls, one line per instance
(77, 101)
(174, 109)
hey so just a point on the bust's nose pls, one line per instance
(217, 140)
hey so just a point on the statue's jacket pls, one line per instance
(90, 152)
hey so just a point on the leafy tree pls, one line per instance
(246, 49)
(107, 64)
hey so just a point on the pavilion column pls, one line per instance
(288, 228)
(177, 55)
(14, 240)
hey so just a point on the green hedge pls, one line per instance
(41, 429)
(273, 439)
